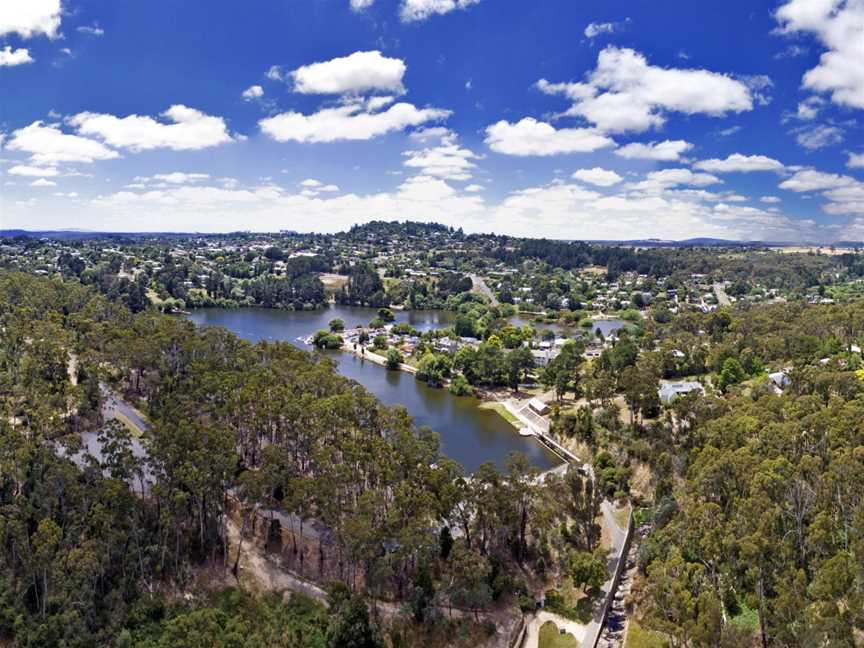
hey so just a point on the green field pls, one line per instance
(551, 637)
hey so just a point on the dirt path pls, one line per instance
(264, 571)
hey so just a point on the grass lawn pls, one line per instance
(639, 637)
(503, 412)
(621, 516)
(551, 637)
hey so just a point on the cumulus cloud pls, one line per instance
(809, 108)
(740, 163)
(29, 18)
(531, 137)
(812, 180)
(352, 121)
(48, 145)
(839, 26)
(598, 176)
(188, 129)
(356, 73)
(42, 182)
(448, 160)
(253, 92)
(844, 194)
(771, 200)
(625, 93)
(361, 5)
(666, 151)
(414, 10)
(10, 57)
(658, 181)
(856, 161)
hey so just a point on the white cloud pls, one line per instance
(819, 136)
(474, 188)
(532, 137)
(844, 194)
(10, 57)
(42, 182)
(48, 145)
(178, 177)
(29, 18)
(624, 93)
(595, 29)
(839, 25)
(348, 122)
(413, 10)
(361, 5)
(740, 163)
(33, 171)
(809, 108)
(771, 200)
(598, 176)
(189, 129)
(812, 180)
(275, 73)
(253, 92)
(448, 160)
(313, 187)
(666, 151)
(856, 161)
(94, 30)
(658, 181)
(356, 73)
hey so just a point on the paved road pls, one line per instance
(114, 404)
(479, 286)
(618, 537)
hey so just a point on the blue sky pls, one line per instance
(579, 120)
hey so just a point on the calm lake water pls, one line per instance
(469, 434)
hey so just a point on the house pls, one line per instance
(668, 392)
(780, 379)
(538, 406)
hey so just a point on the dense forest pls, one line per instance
(99, 549)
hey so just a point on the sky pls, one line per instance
(592, 120)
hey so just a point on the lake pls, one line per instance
(469, 434)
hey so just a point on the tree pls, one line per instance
(394, 358)
(587, 570)
(336, 325)
(469, 580)
(731, 374)
(351, 626)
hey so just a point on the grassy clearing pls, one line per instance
(551, 637)
(639, 637)
(621, 516)
(503, 412)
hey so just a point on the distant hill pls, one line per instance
(383, 227)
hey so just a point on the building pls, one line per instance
(780, 379)
(538, 406)
(668, 392)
